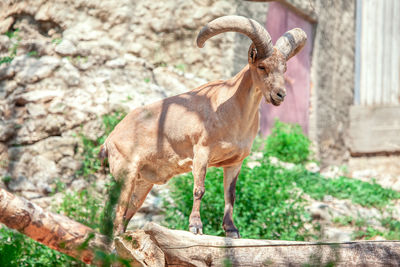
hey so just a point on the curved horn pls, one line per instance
(257, 33)
(291, 42)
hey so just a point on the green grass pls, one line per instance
(180, 67)
(269, 202)
(13, 50)
(394, 228)
(91, 148)
(365, 231)
(359, 192)
(56, 41)
(343, 221)
(84, 206)
(18, 250)
(269, 205)
(33, 54)
(265, 206)
(288, 143)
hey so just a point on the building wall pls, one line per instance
(253, 10)
(333, 78)
(332, 74)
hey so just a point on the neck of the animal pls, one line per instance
(247, 95)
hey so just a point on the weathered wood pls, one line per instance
(53, 230)
(181, 248)
(374, 130)
(158, 246)
(139, 247)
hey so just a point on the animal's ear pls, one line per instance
(291, 42)
(252, 54)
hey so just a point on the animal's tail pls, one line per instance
(103, 154)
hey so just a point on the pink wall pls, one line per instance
(295, 108)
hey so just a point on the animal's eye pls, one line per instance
(261, 67)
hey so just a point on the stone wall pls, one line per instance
(333, 77)
(78, 60)
(332, 74)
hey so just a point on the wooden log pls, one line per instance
(53, 230)
(159, 246)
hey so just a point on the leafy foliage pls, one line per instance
(288, 143)
(84, 207)
(81, 207)
(266, 207)
(394, 228)
(359, 192)
(91, 148)
(366, 231)
(269, 203)
(19, 250)
(108, 215)
(13, 50)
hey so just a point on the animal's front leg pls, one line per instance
(199, 170)
(230, 177)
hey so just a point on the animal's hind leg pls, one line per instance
(127, 180)
(140, 190)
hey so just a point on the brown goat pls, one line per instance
(212, 125)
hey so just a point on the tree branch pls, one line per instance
(158, 246)
(53, 230)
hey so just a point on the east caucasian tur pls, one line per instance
(212, 125)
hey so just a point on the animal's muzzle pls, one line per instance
(277, 98)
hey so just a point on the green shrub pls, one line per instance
(269, 201)
(268, 204)
(81, 207)
(288, 143)
(394, 228)
(19, 250)
(13, 50)
(359, 192)
(266, 207)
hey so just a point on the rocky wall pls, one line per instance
(74, 61)
(332, 74)
(333, 77)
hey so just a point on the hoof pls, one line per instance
(196, 230)
(232, 234)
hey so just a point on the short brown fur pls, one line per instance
(212, 125)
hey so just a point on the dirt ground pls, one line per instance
(385, 169)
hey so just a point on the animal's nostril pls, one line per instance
(281, 95)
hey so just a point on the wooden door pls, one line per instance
(295, 108)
